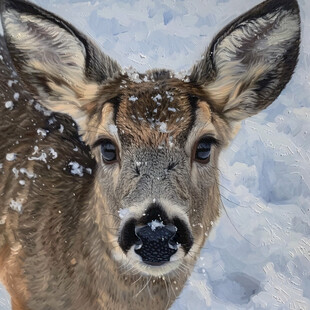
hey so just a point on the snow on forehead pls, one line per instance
(153, 112)
(156, 109)
(152, 102)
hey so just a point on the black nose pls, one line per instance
(155, 237)
(156, 243)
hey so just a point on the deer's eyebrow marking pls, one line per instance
(98, 110)
(116, 101)
(193, 100)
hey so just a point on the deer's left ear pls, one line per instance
(251, 60)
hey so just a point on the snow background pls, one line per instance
(258, 255)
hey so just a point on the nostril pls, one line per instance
(171, 228)
(173, 245)
(137, 229)
(138, 244)
(183, 235)
(127, 237)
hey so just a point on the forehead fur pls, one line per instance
(154, 111)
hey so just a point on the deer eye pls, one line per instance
(203, 149)
(108, 151)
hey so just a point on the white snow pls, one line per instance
(16, 205)
(76, 168)
(53, 153)
(41, 109)
(16, 96)
(162, 127)
(16, 172)
(157, 99)
(11, 82)
(42, 157)
(41, 132)
(113, 129)
(170, 95)
(61, 128)
(257, 256)
(89, 170)
(123, 212)
(35, 150)
(133, 75)
(10, 156)
(29, 174)
(9, 105)
(133, 98)
(155, 224)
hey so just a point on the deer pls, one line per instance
(109, 179)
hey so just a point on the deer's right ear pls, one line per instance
(55, 61)
(251, 60)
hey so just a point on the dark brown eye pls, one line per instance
(108, 151)
(203, 149)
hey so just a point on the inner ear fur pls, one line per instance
(251, 60)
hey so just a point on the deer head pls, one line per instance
(156, 138)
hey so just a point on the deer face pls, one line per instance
(156, 139)
(154, 142)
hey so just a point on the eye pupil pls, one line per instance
(108, 151)
(203, 150)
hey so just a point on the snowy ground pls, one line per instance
(258, 256)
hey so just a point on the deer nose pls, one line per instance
(156, 242)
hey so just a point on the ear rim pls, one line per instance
(94, 57)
